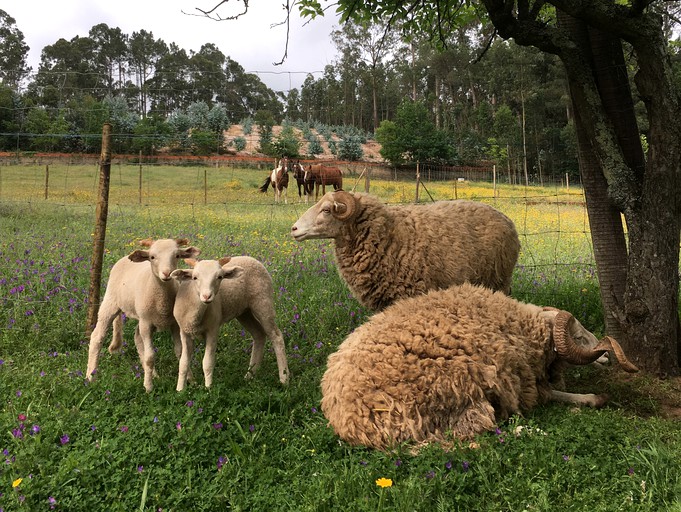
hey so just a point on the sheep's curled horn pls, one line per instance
(343, 205)
(576, 354)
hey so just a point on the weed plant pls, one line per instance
(70, 445)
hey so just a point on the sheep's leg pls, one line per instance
(143, 340)
(280, 351)
(179, 350)
(209, 356)
(588, 399)
(256, 330)
(185, 358)
(117, 338)
(107, 313)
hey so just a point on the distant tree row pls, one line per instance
(473, 101)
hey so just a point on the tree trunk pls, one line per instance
(647, 312)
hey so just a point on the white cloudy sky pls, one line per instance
(250, 40)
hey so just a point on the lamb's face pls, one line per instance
(163, 256)
(323, 220)
(206, 277)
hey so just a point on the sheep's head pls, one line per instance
(326, 218)
(163, 255)
(576, 345)
(206, 276)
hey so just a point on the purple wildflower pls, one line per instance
(217, 426)
(124, 428)
(448, 465)
(221, 462)
(65, 439)
(465, 465)
(35, 429)
(251, 428)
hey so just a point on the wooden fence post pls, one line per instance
(47, 180)
(140, 179)
(205, 186)
(100, 229)
(418, 182)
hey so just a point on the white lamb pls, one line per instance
(385, 253)
(213, 293)
(140, 286)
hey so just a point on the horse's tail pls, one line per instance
(264, 186)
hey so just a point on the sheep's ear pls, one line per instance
(191, 262)
(182, 241)
(189, 252)
(232, 272)
(147, 242)
(181, 274)
(343, 205)
(224, 260)
(139, 256)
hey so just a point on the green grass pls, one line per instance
(256, 445)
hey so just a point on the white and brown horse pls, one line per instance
(325, 175)
(279, 181)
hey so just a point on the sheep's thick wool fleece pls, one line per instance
(455, 360)
(389, 252)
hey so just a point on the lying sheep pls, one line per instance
(213, 293)
(385, 253)
(453, 362)
(141, 287)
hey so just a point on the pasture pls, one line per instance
(256, 445)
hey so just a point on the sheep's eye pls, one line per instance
(326, 210)
(177, 256)
(152, 257)
(219, 277)
(194, 278)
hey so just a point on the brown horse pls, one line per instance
(279, 180)
(325, 175)
(304, 179)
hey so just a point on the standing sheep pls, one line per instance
(453, 361)
(385, 253)
(213, 293)
(141, 287)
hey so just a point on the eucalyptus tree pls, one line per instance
(374, 45)
(207, 75)
(13, 52)
(110, 54)
(170, 88)
(639, 279)
(67, 72)
(144, 52)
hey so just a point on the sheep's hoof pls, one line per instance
(249, 375)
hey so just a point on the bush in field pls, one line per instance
(350, 148)
(239, 143)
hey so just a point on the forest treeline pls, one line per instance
(469, 102)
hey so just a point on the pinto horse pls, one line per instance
(279, 181)
(304, 179)
(323, 175)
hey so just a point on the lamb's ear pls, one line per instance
(182, 241)
(139, 256)
(191, 262)
(232, 272)
(189, 252)
(224, 260)
(147, 242)
(181, 274)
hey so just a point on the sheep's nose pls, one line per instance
(294, 228)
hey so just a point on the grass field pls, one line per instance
(69, 445)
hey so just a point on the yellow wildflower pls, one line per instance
(384, 482)
(17, 482)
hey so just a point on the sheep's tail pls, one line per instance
(264, 186)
